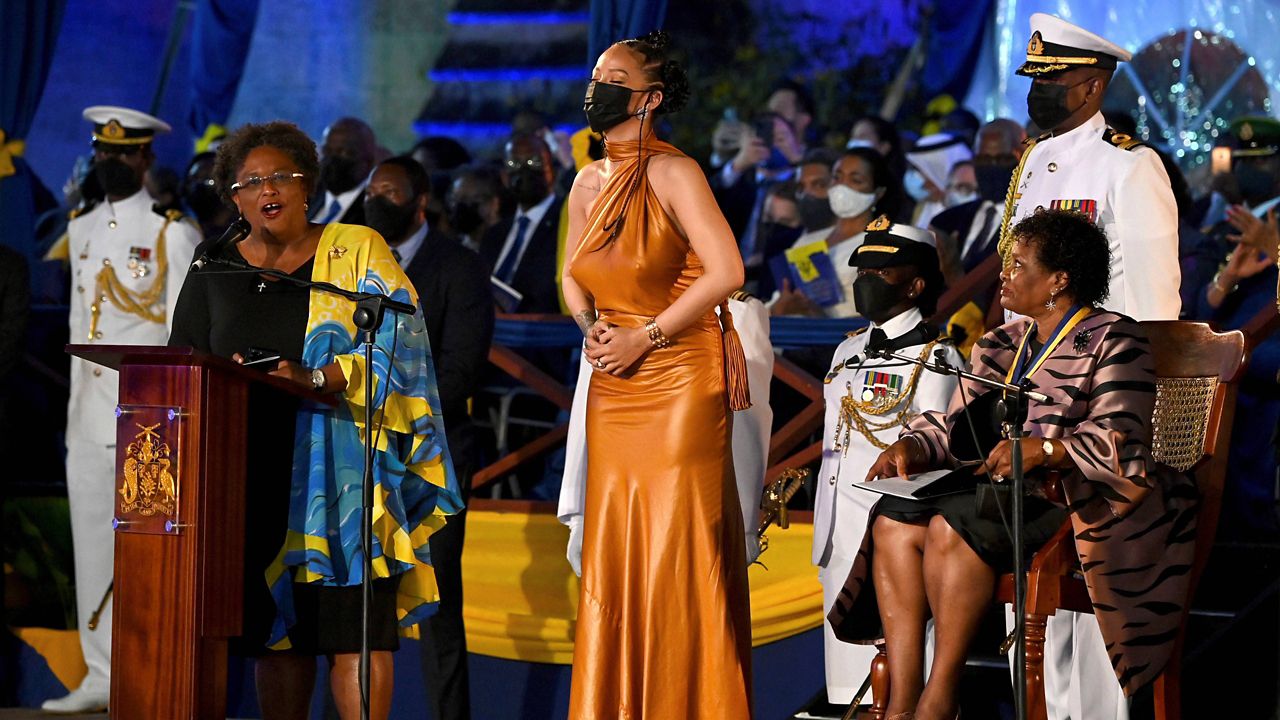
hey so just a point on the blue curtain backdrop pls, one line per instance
(614, 20)
(955, 41)
(220, 38)
(28, 34)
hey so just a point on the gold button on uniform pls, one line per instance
(111, 224)
(1053, 167)
(97, 372)
(97, 335)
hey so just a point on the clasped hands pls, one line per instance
(898, 458)
(614, 350)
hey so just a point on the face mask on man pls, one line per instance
(338, 174)
(1255, 184)
(528, 185)
(607, 105)
(116, 178)
(203, 200)
(915, 185)
(390, 220)
(960, 197)
(874, 297)
(1047, 104)
(815, 212)
(465, 217)
(993, 179)
(847, 203)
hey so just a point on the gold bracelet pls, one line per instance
(656, 337)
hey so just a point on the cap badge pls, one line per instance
(113, 130)
(880, 223)
(1246, 132)
(1035, 46)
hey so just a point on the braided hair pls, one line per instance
(667, 74)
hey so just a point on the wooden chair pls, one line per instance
(1196, 374)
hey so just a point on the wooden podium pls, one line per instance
(179, 521)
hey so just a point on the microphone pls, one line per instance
(235, 233)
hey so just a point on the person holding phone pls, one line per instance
(302, 568)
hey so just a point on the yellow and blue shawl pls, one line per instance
(415, 486)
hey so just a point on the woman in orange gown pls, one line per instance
(664, 622)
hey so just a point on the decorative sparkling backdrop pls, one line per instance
(1182, 94)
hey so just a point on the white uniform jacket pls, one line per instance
(1122, 186)
(131, 240)
(836, 500)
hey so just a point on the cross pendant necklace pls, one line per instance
(262, 287)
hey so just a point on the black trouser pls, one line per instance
(444, 640)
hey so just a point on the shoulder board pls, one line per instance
(1029, 141)
(741, 296)
(857, 332)
(1122, 141)
(170, 215)
(82, 210)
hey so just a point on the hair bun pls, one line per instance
(658, 40)
(675, 87)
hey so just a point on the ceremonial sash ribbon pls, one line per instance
(1026, 366)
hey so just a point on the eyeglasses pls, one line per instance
(254, 184)
(533, 163)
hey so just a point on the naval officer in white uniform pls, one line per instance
(750, 441)
(1081, 164)
(128, 262)
(868, 400)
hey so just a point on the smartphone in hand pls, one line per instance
(260, 357)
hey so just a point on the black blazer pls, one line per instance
(453, 287)
(535, 276)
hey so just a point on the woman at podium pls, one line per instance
(304, 558)
(1133, 523)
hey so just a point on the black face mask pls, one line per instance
(815, 212)
(874, 297)
(464, 217)
(777, 237)
(606, 105)
(1256, 185)
(1047, 104)
(392, 221)
(529, 186)
(203, 201)
(338, 174)
(993, 179)
(116, 178)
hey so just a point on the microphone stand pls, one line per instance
(1015, 414)
(370, 308)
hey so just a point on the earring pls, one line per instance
(1052, 304)
(306, 207)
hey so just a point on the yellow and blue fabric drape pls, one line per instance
(415, 486)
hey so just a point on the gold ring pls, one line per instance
(600, 364)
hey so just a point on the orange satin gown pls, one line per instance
(664, 619)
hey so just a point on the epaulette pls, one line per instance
(741, 296)
(83, 209)
(857, 332)
(170, 215)
(1122, 140)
